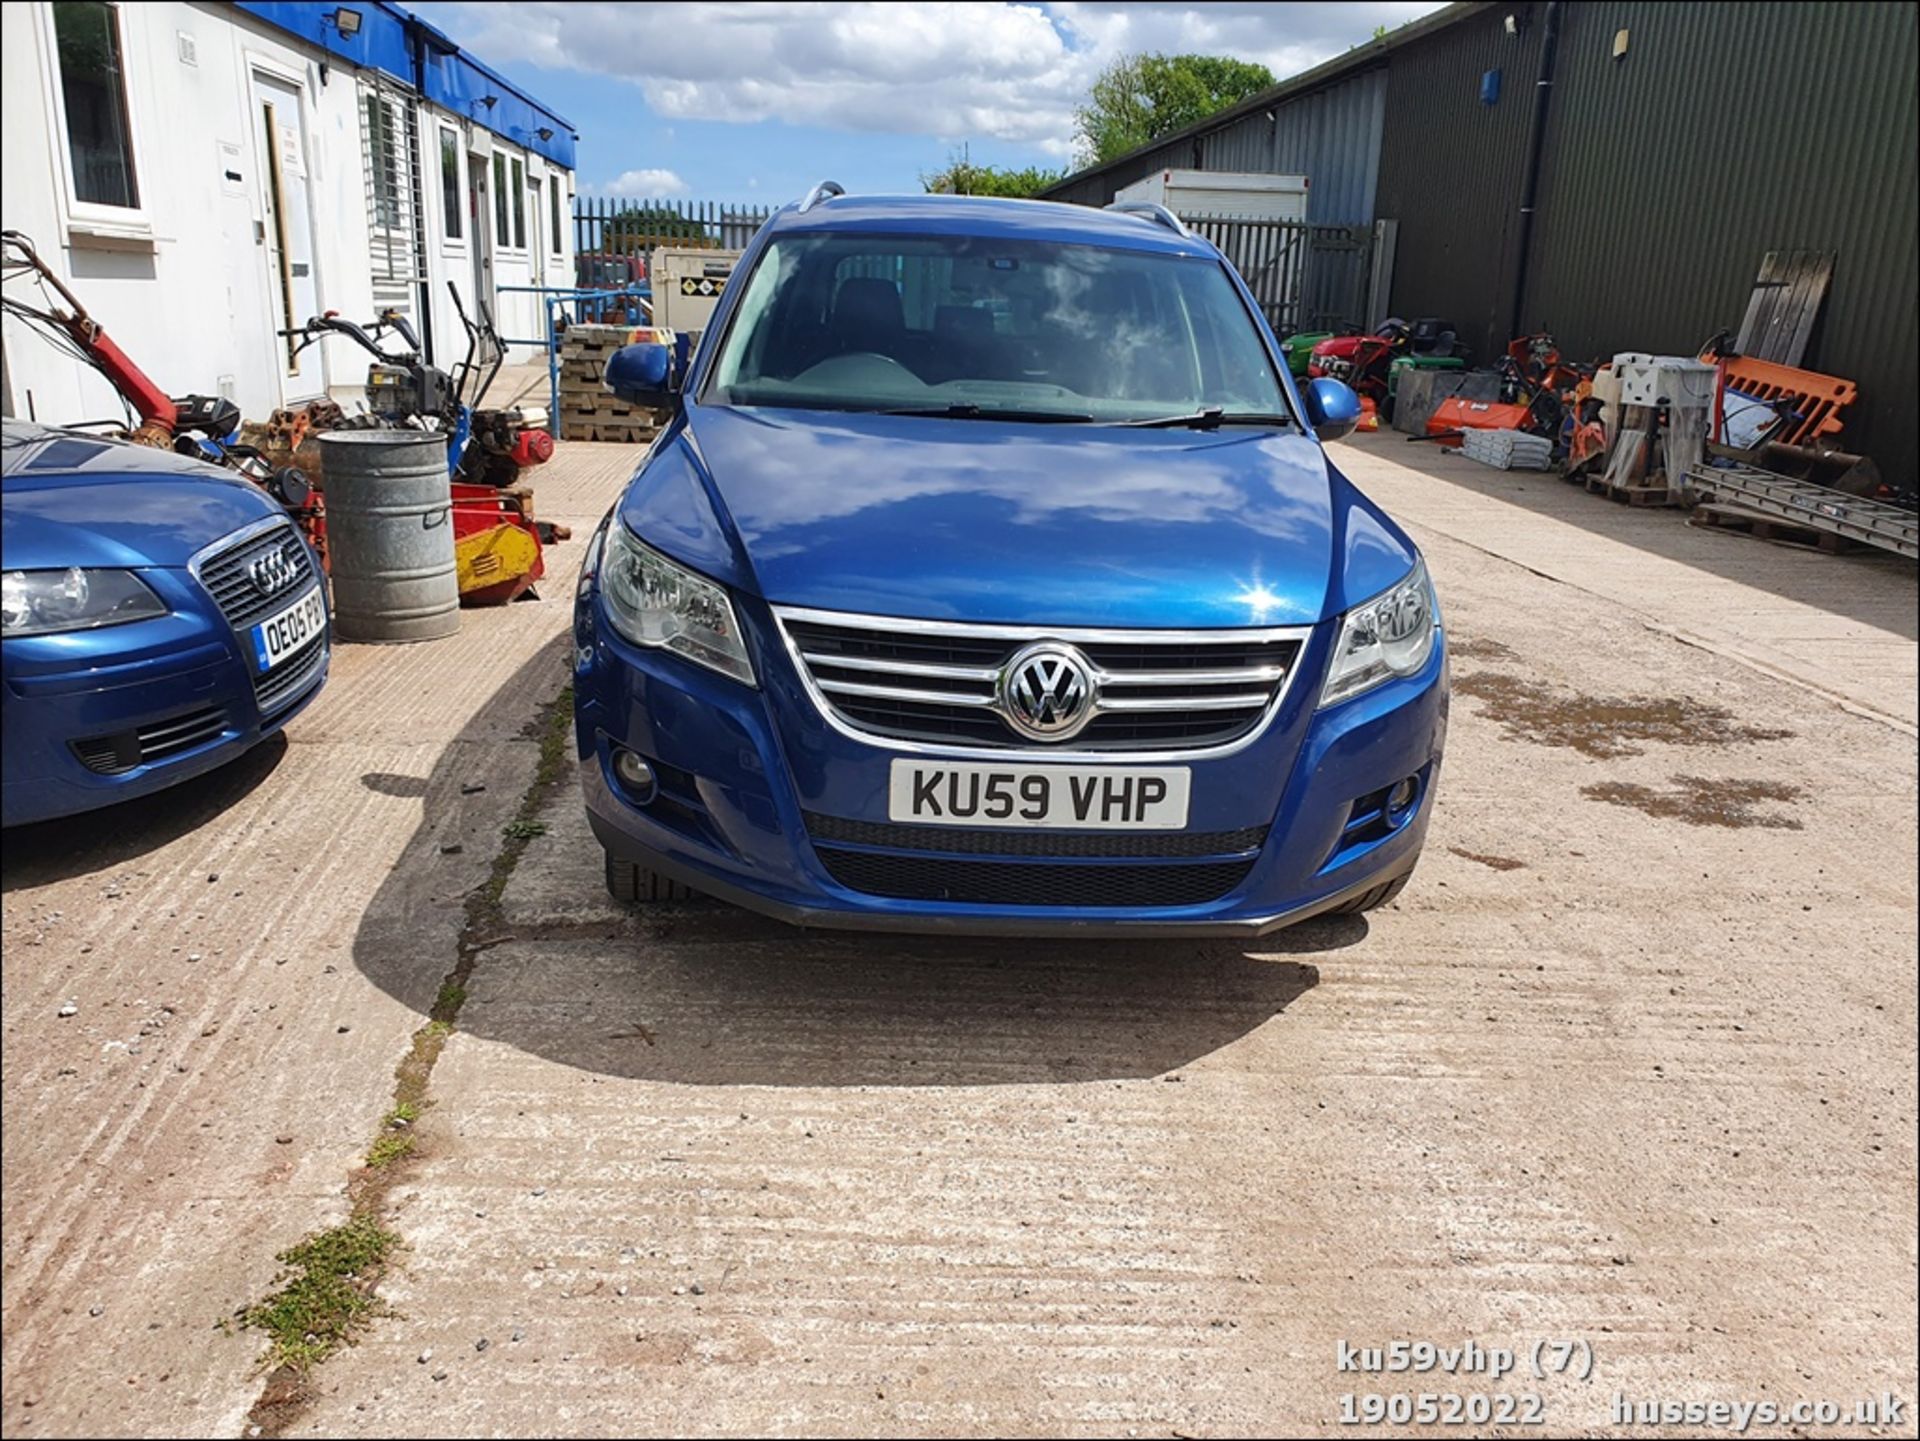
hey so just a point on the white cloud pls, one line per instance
(1012, 72)
(646, 184)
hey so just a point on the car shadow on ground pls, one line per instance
(117, 835)
(707, 994)
(709, 997)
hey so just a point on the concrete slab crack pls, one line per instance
(329, 1291)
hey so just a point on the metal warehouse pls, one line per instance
(1677, 145)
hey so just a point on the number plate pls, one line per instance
(278, 636)
(1103, 798)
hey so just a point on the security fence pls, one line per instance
(607, 229)
(1305, 277)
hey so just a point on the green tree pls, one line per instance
(961, 176)
(643, 226)
(1140, 98)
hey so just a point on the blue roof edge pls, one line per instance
(395, 41)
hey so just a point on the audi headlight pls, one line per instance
(1390, 635)
(41, 602)
(652, 601)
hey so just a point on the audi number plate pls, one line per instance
(1104, 798)
(283, 633)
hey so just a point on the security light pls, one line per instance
(346, 21)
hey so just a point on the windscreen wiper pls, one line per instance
(967, 411)
(1210, 418)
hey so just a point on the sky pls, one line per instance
(755, 102)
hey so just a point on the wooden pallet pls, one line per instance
(1634, 494)
(620, 431)
(1738, 519)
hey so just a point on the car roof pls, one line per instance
(985, 216)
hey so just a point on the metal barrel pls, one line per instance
(389, 507)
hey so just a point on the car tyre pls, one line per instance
(631, 883)
(1374, 899)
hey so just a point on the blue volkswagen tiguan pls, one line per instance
(990, 575)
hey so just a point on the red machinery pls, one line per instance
(1362, 361)
(1538, 387)
(497, 542)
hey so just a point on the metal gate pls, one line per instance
(607, 226)
(1305, 277)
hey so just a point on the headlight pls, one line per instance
(1390, 635)
(41, 602)
(652, 601)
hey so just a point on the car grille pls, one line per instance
(228, 578)
(1015, 883)
(116, 754)
(282, 685)
(932, 683)
(982, 840)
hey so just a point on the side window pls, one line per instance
(519, 204)
(554, 189)
(384, 152)
(450, 203)
(501, 235)
(93, 92)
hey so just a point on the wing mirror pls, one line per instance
(1333, 410)
(648, 373)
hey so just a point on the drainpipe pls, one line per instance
(1536, 144)
(417, 54)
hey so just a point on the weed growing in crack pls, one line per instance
(328, 1292)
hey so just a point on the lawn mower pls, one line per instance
(1362, 360)
(206, 427)
(497, 541)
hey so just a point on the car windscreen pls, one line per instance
(952, 323)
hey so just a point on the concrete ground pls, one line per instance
(1630, 1064)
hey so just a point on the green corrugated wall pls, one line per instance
(1725, 131)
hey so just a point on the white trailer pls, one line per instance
(1242, 195)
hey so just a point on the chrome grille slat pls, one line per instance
(117, 754)
(1185, 702)
(894, 692)
(935, 685)
(943, 672)
(1247, 675)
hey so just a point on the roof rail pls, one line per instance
(825, 190)
(1148, 211)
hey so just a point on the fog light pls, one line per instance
(633, 773)
(1400, 799)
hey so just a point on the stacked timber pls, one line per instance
(588, 411)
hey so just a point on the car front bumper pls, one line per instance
(175, 695)
(759, 801)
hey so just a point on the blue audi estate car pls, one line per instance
(160, 617)
(990, 575)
